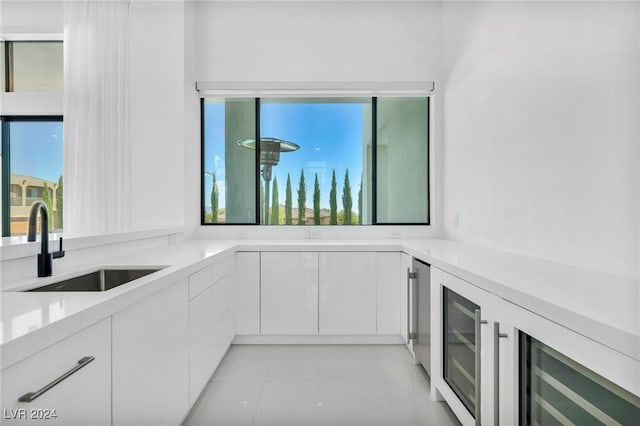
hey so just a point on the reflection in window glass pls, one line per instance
(37, 66)
(402, 158)
(229, 194)
(36, 171)
(320, 176)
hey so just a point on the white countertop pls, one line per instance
(603, 307)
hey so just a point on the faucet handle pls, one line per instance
(60, 252)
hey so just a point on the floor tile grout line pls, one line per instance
(264, 382)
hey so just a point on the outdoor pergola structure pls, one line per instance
(270, 149)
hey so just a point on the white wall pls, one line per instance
(157, 113)
(157, 99)
(317, 42)
(191, 125)
(26, 16)
(541, 130)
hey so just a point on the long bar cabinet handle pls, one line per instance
(478, 361)
(496, 371)
(30, 396)
(411, 305)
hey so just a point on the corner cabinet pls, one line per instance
(79, 367)
(497, 363)
(151, 359)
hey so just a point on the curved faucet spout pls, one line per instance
(39, 207)
(44, 258)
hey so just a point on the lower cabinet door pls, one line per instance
(151, 360)
(203, 360)
(348, 293)
(289, 293)
(79, 399)
(246, 289)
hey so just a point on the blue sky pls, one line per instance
(329, 136)
(36, 149)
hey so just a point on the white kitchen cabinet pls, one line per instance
(247, 293)
(347, 300)
(289, 293)
(211, 329)
(82, 398)
(151, 359)
(200, 317)
(388, 287)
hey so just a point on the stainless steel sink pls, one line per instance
(100, 280)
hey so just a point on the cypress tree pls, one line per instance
(316, 202)
(333, 203)
(215, 200)
(360, 202)
(302, 199)
(59, 195)
(346, 199)
(288, 203)
(275, 204)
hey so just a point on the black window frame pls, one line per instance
(5, 120)
(374, 189)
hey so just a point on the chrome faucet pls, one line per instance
(44, 258)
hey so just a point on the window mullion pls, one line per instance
(6, 180)
(258, 175)
(374, 160)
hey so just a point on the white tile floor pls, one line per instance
(319, 385)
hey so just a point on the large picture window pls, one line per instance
(319, 161)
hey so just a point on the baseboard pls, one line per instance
(317, 340)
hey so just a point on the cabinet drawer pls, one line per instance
(82, 398)
(200, 317)
(222, 269)
(200, 281)
(204, 278)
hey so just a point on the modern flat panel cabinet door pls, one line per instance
(82, 398)
(388, 293)
(289, 293)
(151, 359)
(246, 289)
(347, 293)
